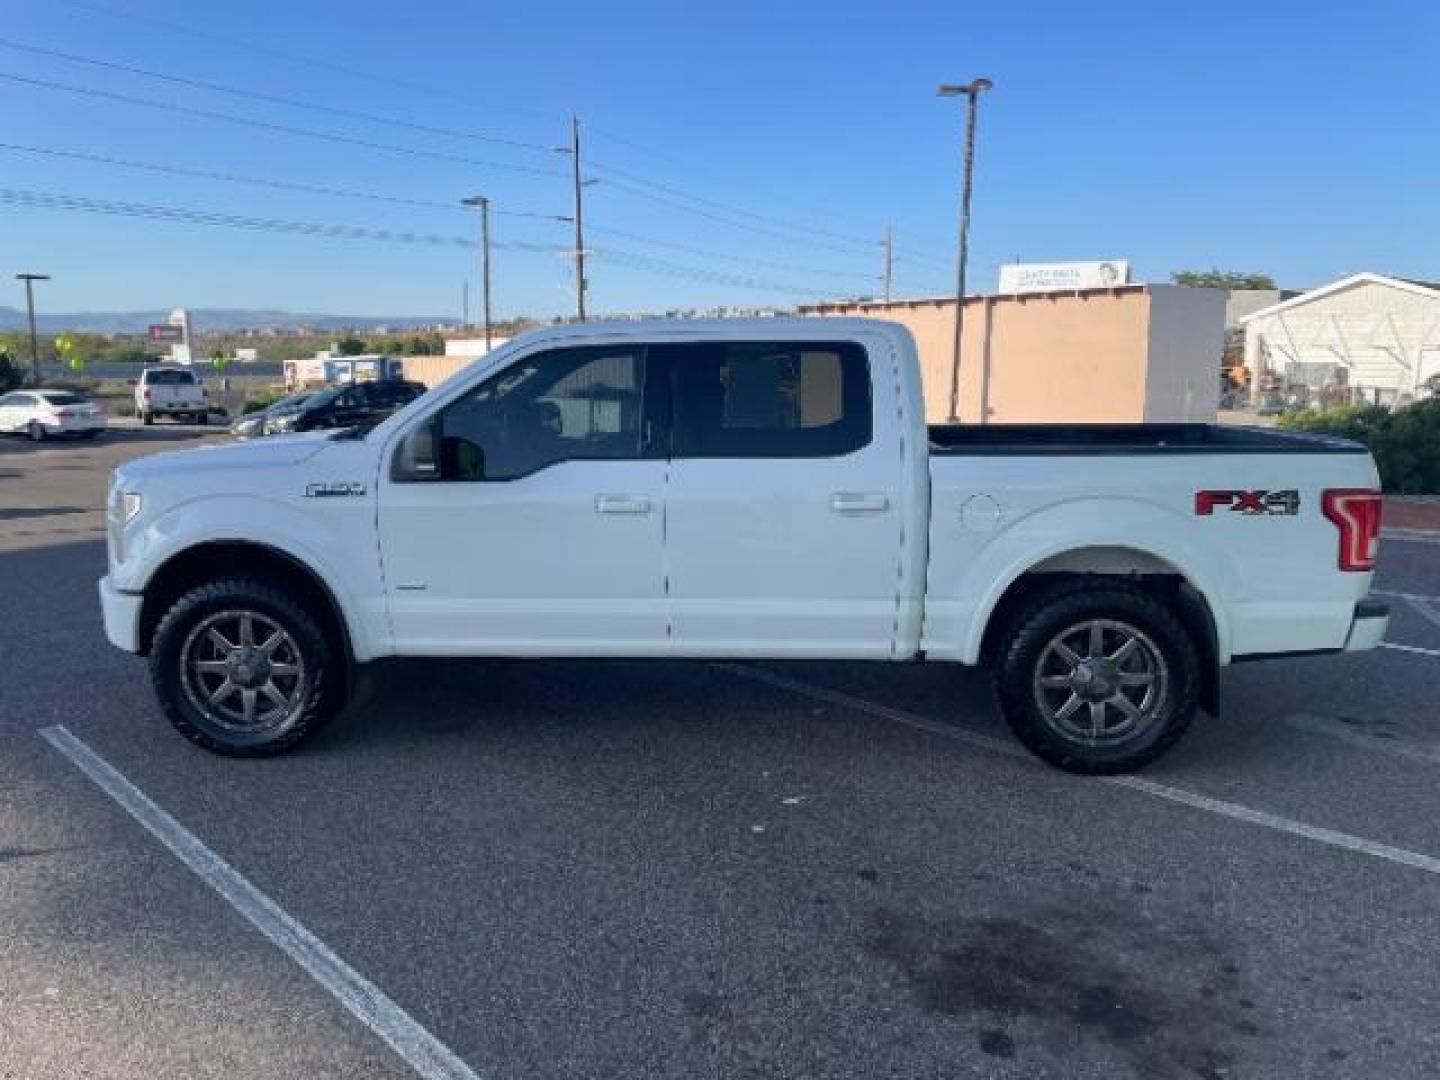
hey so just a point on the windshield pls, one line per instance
(289, 404)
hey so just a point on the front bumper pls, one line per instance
(121, 612)
(1367, 628)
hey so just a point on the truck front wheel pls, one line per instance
(1096, 677)
(243, 670)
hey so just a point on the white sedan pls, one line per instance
(44, 413)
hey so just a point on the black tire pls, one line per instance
(35, 430)
(1033, 686)
(147, 418)
(315, 695)
(203, 419)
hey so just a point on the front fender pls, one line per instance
(328, 540)
(1136, 525)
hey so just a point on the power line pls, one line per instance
(849, 275)
(184, 216)
(448, 207)
(634, 261)
(266, 125)
(323, 63)
(258, 181)
(371, 76)
(276, 99)
(610, 171)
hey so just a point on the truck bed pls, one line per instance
(1005, 440)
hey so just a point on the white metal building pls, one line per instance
(1371, 332)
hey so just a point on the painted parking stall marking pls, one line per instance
(1234, 811)
(422, 1051)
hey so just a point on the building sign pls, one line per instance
(165, 332)
(1048, 277)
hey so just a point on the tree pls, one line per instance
(1222, 279)
(349, 345)
(10, 374)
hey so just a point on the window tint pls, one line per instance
(61, 398)
(169, 378)
(791, 399)
(562, 405)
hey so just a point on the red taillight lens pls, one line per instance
(147, 393)
(1356, 513)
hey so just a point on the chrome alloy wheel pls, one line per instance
(244, 671)
(1100, 682)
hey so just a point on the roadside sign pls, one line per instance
(165, 332)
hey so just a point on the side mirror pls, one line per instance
(417, 457)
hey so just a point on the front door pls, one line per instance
(537, 527)
(784, 509)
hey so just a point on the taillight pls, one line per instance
(1356, 513)
(67, 412)
(147, 393)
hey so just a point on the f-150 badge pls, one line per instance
(1250, 503)
(335, 489)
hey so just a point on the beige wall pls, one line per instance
(1086, 356)
(433, 370)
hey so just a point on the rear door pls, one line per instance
(784, 516)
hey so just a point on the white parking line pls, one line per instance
(1416, 649)
(1234, 811)
(1413, 536)
(424, 1053)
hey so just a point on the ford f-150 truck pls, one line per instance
(760, 489)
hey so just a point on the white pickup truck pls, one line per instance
(758, 489)
(171, 391)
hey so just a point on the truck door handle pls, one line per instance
(859, 502)
(622, 504)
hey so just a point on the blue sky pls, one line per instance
(1296, 138)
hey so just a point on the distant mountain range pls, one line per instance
(203, 320)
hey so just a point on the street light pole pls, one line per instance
(971, 91)
(30, 280)
(484, 204)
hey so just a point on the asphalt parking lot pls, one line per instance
(692, 870)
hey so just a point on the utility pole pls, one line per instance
(889, 245)
(579, 219)
(484, 204)
(465, 302)
(971, 91)
(30, 280)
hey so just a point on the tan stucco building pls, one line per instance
(1127, 353)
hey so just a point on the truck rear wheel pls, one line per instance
(243, 670)
(1097, 678)
(147, 418)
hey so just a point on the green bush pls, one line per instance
(1405, 442)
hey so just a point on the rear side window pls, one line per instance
(771, 400)
(170, 378)
(64, 399)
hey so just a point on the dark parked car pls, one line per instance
(349, 406)
(253, 425)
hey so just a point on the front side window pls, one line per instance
(562, 405)
(761, 399)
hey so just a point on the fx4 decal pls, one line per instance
(1250, 503)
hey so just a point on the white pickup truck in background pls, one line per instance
(171, 391)
(757, 489)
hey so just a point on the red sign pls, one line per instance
(166, 332)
